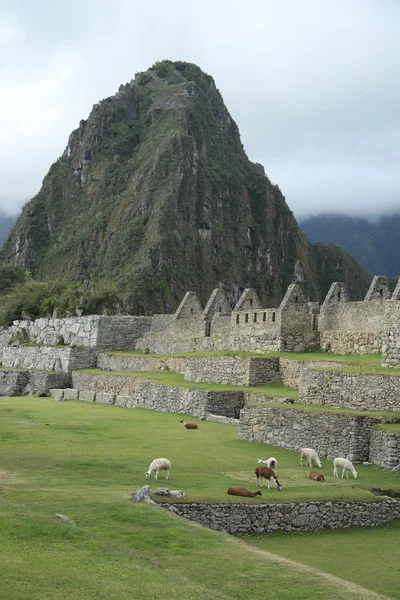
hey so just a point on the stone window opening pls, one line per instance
(264, 316)
(339, 296)
(251, 301)
(237, 319)
(255, 318)
(381, 293)
(220, 309)
(296, 298)
(273, 316)
(191, 310)
(246, 318)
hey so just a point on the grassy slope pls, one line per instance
(365, 567)
(83, 460)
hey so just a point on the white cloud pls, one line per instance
(312, 85)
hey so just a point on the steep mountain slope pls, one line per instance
(373, 244)
(155, 192)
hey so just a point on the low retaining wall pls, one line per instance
(289, 370)
(351, 342)
(233, 370)
(330, 434)
(363, 391)
(385, 449)
(27, 383)
(302, 516)
(48, 358)
(110, 362)
(146, 394)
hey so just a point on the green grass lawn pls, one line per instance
(177, 379)
(365, 568)
(372, 359)
(84, 460)
(365, 368)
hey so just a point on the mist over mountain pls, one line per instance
(374, 244)
(155, 193)
(6, 223)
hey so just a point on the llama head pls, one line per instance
(258, 494)
(279, 486)
(319, 463)
(147, 475)
(355, 474)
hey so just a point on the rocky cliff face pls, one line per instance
(155, 192)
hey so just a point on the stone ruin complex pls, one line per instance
(46, 357)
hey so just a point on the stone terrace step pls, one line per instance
(119, 362)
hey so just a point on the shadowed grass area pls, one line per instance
(177, 379)
(365, 568)
(373, 359)
(84, 461)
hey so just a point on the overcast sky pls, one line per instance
(313, 86)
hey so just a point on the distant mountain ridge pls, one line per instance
(374, 244)
(156, 194)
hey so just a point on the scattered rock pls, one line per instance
(177, 493)
(161, 492)
(65, 518)
(141, 494)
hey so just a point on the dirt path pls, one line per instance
(352, 590)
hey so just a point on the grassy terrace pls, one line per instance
(323, 408)
(364, 368)
(177, 379)
(84, 461)
(365, 359)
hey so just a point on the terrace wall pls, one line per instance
(302, 516)
(351, 342)
(110, 362)
(233, 370)
(26, 383)
(48, 358)
(391, 348)
(362, 391)
(142, 393)
(385, 449)
(330, 434)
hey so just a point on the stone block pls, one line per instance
(87, 396)
(70, 394)
(58, 395)
(105, 398)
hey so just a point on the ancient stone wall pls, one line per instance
(101, 332)
(391, 348)
(48, 358)
(145, 394)
(110, 362)
(256, 321)
(27, 383)
(351, 342)
(301, 516)
(233, 370)
(362, 391)
(385, 448)
(289, 370)
(330, 434)
(371, 315)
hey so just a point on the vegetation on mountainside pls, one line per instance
(57, 298)
(10, 276)
(156, 194)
